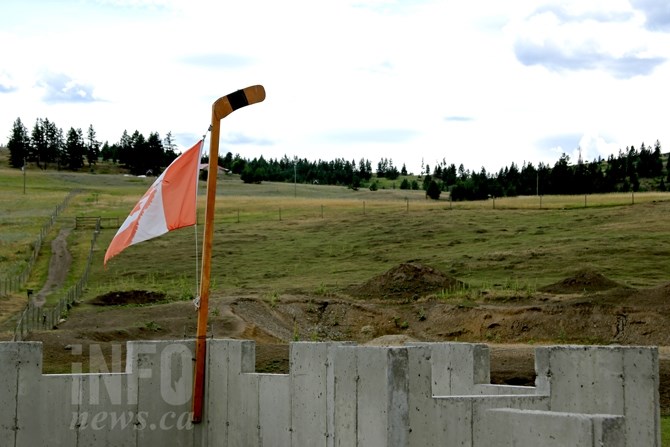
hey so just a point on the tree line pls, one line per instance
(47, 145)
(631, 169)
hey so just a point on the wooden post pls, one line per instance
(221, 108)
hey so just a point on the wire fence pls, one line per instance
(14, 283)
(36, 317)
(238, 210)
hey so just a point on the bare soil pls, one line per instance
(401, 305)
(59, 266)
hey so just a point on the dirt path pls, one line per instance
(59, 266)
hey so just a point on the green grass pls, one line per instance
(279, 237)
(665, 430)
(512, 249)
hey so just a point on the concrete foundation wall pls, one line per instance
(336, 394)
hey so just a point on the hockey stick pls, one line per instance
(221, 108)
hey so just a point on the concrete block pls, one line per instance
(397, 376)
(457, 367)
(641, 395)
(372, 396)
(274, 409)
(586, 379)
(345, 408)
(9, 371)
(383, 396)
(104, 416)
(216, 393)
(243, 422)
(610, 431)
(309, 409)
(36, 405)
(520, 428)
(335, 395)
(47, 416)
(429, 422)
(165, 386)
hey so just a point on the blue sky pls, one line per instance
(484, 83)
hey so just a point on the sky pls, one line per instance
(483, 83)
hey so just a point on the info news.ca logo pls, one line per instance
(156, 396)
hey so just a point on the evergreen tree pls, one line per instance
(657, 162)
(392, 172)
(54, 142)
(75, 149)
(18, 144)
(426, 182)
(92, 146)
(433, 190)
(170, 150)
(155, 154)
(125, 149)
(227, 162)
(38, 144)
(382, 167)
(561, 177)
(109, 153)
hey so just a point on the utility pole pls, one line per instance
(24, 175)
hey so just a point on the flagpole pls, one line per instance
(221, 108)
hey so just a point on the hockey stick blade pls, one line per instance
(226, 105)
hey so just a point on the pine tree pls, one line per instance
(170, 149)
(657, 163)
(92, 146)
(75, 149)
(433, 191)
(18, 144)
(54, 142)
(38, 143)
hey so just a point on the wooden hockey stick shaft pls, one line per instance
(221, 108)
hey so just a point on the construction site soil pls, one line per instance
(410, 302)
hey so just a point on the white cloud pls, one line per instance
(482, 83)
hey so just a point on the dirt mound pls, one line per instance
(652, 296)
(128, 297)
(582, 281)
(407, 280)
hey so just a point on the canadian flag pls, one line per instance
(170, 203)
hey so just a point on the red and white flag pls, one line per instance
(170, 203)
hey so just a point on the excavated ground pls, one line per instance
(405, 303)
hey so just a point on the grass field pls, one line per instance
(280, 236)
